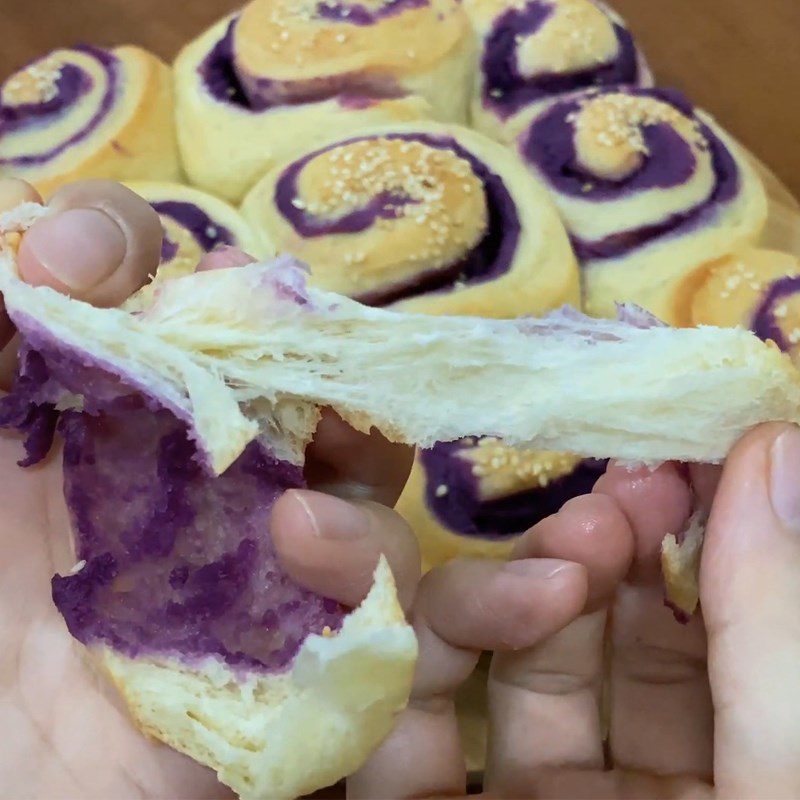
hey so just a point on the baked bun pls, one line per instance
(194, 223)
(84, 112)
(755, 289)
(534, 50)
(196, 410)
(782, 231)
(281, 77)
(423, 217)
(475, 496)
(649, 189)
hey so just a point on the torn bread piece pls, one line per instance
(215, 389)
(255, 351)
(680, 564)
(178, 594)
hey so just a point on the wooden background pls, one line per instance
(740, 59)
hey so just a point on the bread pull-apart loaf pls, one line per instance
(184, 420)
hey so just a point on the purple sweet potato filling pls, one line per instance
(462, 510)
(764, 323)
(207, 233)
(489, 259)
(506, 90)
(72, 84)
(178, 562)
(549, 145)
(222, 80)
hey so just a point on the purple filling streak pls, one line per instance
(178, 561)
(207, 233)
(489, 259)
(221, 79)
(71, 86)
(764, 323)
(356, 14)
(462, 511)
(549, 145)
(506, 90)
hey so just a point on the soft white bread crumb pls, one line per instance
(287, 734)
(680, 563)
(253, 349)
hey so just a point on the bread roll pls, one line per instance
(756, 289)
(530, 52)
(194, 223)
(420, 217)
(85, 112)
(282, 77)
(649, 189)
(475, 496)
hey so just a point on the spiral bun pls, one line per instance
(194, 223)
(426, 217)
(755, 289)
(281, 77)
(85, 112)
(533, 50)
(475, 496)
(649, 188)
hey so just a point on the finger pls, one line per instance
(359, 466)
(332, 546)
(224, 257)
(13, 192)
(100, 244)
(544, 702)
(462, 608)
(751, 594)
(661, 714)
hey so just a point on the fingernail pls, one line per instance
(540, 568)
(332, 518)
(785, 477)
(79, 248)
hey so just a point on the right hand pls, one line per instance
(707, 709)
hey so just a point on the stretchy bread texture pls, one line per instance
(424, 217)
(238, 361)
(532, 51)
(260, 349)
(194, 223)
(649, 189)
(85, 112)
(229, 138)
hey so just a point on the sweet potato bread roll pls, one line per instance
(281, 77)
(185, 420)
(475, 496)
(756, 289)
(649, 188)
(194, 223)
(532, 51)
(420, 217)
(86, 112)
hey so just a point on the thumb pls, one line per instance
(750, 594)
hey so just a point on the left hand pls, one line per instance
(66, 733)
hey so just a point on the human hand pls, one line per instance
(707, 709)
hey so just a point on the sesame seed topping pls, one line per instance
(441, 490)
